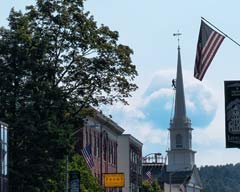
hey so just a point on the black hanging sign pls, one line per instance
(74, 180)
(232, 113)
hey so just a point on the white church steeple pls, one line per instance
(180, 154)
(180, 108)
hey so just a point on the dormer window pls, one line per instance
(179, 141)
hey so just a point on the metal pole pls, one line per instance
(1, 158)
(221, 31)
(170, 182)
(67, 173)
(101, 153)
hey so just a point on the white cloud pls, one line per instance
(190, 104)
(214, 132)
(132, 121)
(146, 133)
(164, 92)
(198, 92)
(206, 139)
(217, 156)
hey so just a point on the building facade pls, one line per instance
(4, 157)
(130, 162)
(112, 151)
(101, 133)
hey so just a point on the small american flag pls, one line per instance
(87, 155)
(208, 43)
(181, 188)
(149, 175)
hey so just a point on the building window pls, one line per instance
(179, 141)
(90, 137)
(95, 144)
(111, 151)
(86, 136)
(115, 153)
(98, 144)
(105, 147)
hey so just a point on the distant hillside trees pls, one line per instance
(224, 178)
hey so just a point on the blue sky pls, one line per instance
(148, 27)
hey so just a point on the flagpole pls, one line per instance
(221, 31)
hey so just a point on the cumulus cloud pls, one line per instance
(148, 115)
(200, 100)
(164, 92)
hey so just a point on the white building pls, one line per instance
(130, 162)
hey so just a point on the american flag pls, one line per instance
(182, 188)
(149, 175)
(87, 155)
(208, 43)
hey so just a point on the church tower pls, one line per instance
(180, 154)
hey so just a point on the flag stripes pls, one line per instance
(87, 155)
(182, 188)
(208, 43)
(149, 175)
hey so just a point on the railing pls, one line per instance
(153, 158)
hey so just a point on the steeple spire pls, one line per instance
(180, 108)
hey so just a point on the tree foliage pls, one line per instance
(88, 182)
(54, 61)
(151, 187)
(224, 178)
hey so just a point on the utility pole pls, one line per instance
(101, 137)
(170, 182)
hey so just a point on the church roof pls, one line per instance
(175, 177)
(190, 177)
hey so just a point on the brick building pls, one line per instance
(102, 134)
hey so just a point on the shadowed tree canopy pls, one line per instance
(55, 61)
(151, 186)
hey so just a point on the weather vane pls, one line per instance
(178, 37)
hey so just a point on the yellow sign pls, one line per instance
(114, 179)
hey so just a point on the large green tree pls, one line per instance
(55, 61)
